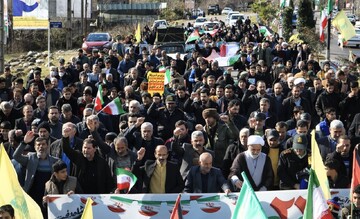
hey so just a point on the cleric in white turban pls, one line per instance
(256, 165)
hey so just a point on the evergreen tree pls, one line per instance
(287, 22)
(305, 16)
(291, 4)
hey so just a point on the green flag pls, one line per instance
(248, 205)
(330, 6)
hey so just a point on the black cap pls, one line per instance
(272, 134)
(5, 125)
(305, 116)
(44, 125)
(300, 141)
(260, 116)
(110, 136)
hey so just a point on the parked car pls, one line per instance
(98, 41)
(352, 18)
(353, 42)
(211, 24)
(214, 9)
(160, 24)
(199, 21)
(195, 13)
(226, 10)
(234, 18)
(229, 15)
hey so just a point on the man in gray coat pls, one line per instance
(38, 166)
(190, 153)
(205, 178)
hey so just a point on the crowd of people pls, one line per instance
(197, 137)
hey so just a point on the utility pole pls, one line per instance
(82, 18)
(85, 18)
(2, 36)
(68, 26)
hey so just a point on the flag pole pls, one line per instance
(328, 37)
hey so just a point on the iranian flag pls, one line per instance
(228, 49)
(162, 69)
(212, 56)
(316, 206)
(212, 32)
(323, 23)
(125, 179)
(227, 61)
(114, 107)
(99, 101)
(167, 77)
(193, 36)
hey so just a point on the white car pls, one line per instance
(234, 18)
(353, 42)
(199, 21)
(161, 24)
(351, 18)
(226, 10)
(211, 24)
(229, 15)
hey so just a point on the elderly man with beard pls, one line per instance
(205, 178)
(144, 138)
(190, 153)
(234, 149)
(256, 165)
(293, 164)
(94, 173)
(158, 176)
(38, 166)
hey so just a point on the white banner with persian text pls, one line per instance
(277, 204)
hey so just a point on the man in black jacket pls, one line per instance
(205, 178)
(94, 173)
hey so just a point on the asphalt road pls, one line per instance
(336, 53)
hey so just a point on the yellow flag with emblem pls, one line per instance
(342, 24)
(138, 33)
(12, 193)
(88, 212)
(318, 166)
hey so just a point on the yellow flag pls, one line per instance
(12, 193)
(138, 34)
(318, 166)
(88, 213)
(342, 23)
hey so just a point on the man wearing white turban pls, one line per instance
(255, 164)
